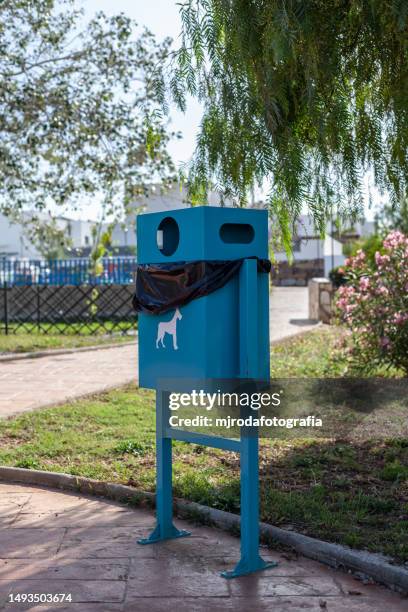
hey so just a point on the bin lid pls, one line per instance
(202, 233)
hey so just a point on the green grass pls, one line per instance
(311, 356)
(307, 355)
(53, 336)
(353, 491)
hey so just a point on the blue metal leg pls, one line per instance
(164, 530)
(250, 560)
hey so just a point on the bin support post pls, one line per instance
(250, 560)
(165, 529)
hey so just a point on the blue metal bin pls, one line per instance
(201, 339)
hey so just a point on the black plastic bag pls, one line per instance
(161, 287)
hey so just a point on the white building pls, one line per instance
(14, 242)
(308, 244)
(312, 248)
(79, 231)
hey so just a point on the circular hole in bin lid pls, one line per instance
(168, 236)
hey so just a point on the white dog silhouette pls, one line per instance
(168, 327)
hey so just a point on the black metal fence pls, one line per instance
(86, 309)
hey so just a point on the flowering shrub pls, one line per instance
(374, 307)
(337, 277)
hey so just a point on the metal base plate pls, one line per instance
(159, 535)
(246, 567)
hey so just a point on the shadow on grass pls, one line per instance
(348, 492)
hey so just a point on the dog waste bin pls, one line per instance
(202, 296)
(196, 253)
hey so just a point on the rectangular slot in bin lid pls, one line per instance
(202, 232)
(237, 233)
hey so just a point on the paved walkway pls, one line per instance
(55, 542)
(27, 384)
(289, 312)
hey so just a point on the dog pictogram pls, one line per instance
(168, 327)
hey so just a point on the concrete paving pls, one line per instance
(289, 312)
(27, 384)
(52, 542)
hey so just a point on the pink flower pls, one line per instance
(394, 240)
(364, 283)
(400, 318)
(380, 260)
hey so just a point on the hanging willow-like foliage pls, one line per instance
(308, 94)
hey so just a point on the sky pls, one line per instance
(162, 18)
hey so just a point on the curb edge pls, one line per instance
(67, 351)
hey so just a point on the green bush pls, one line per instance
(370, 246)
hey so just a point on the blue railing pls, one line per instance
(113, 270)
